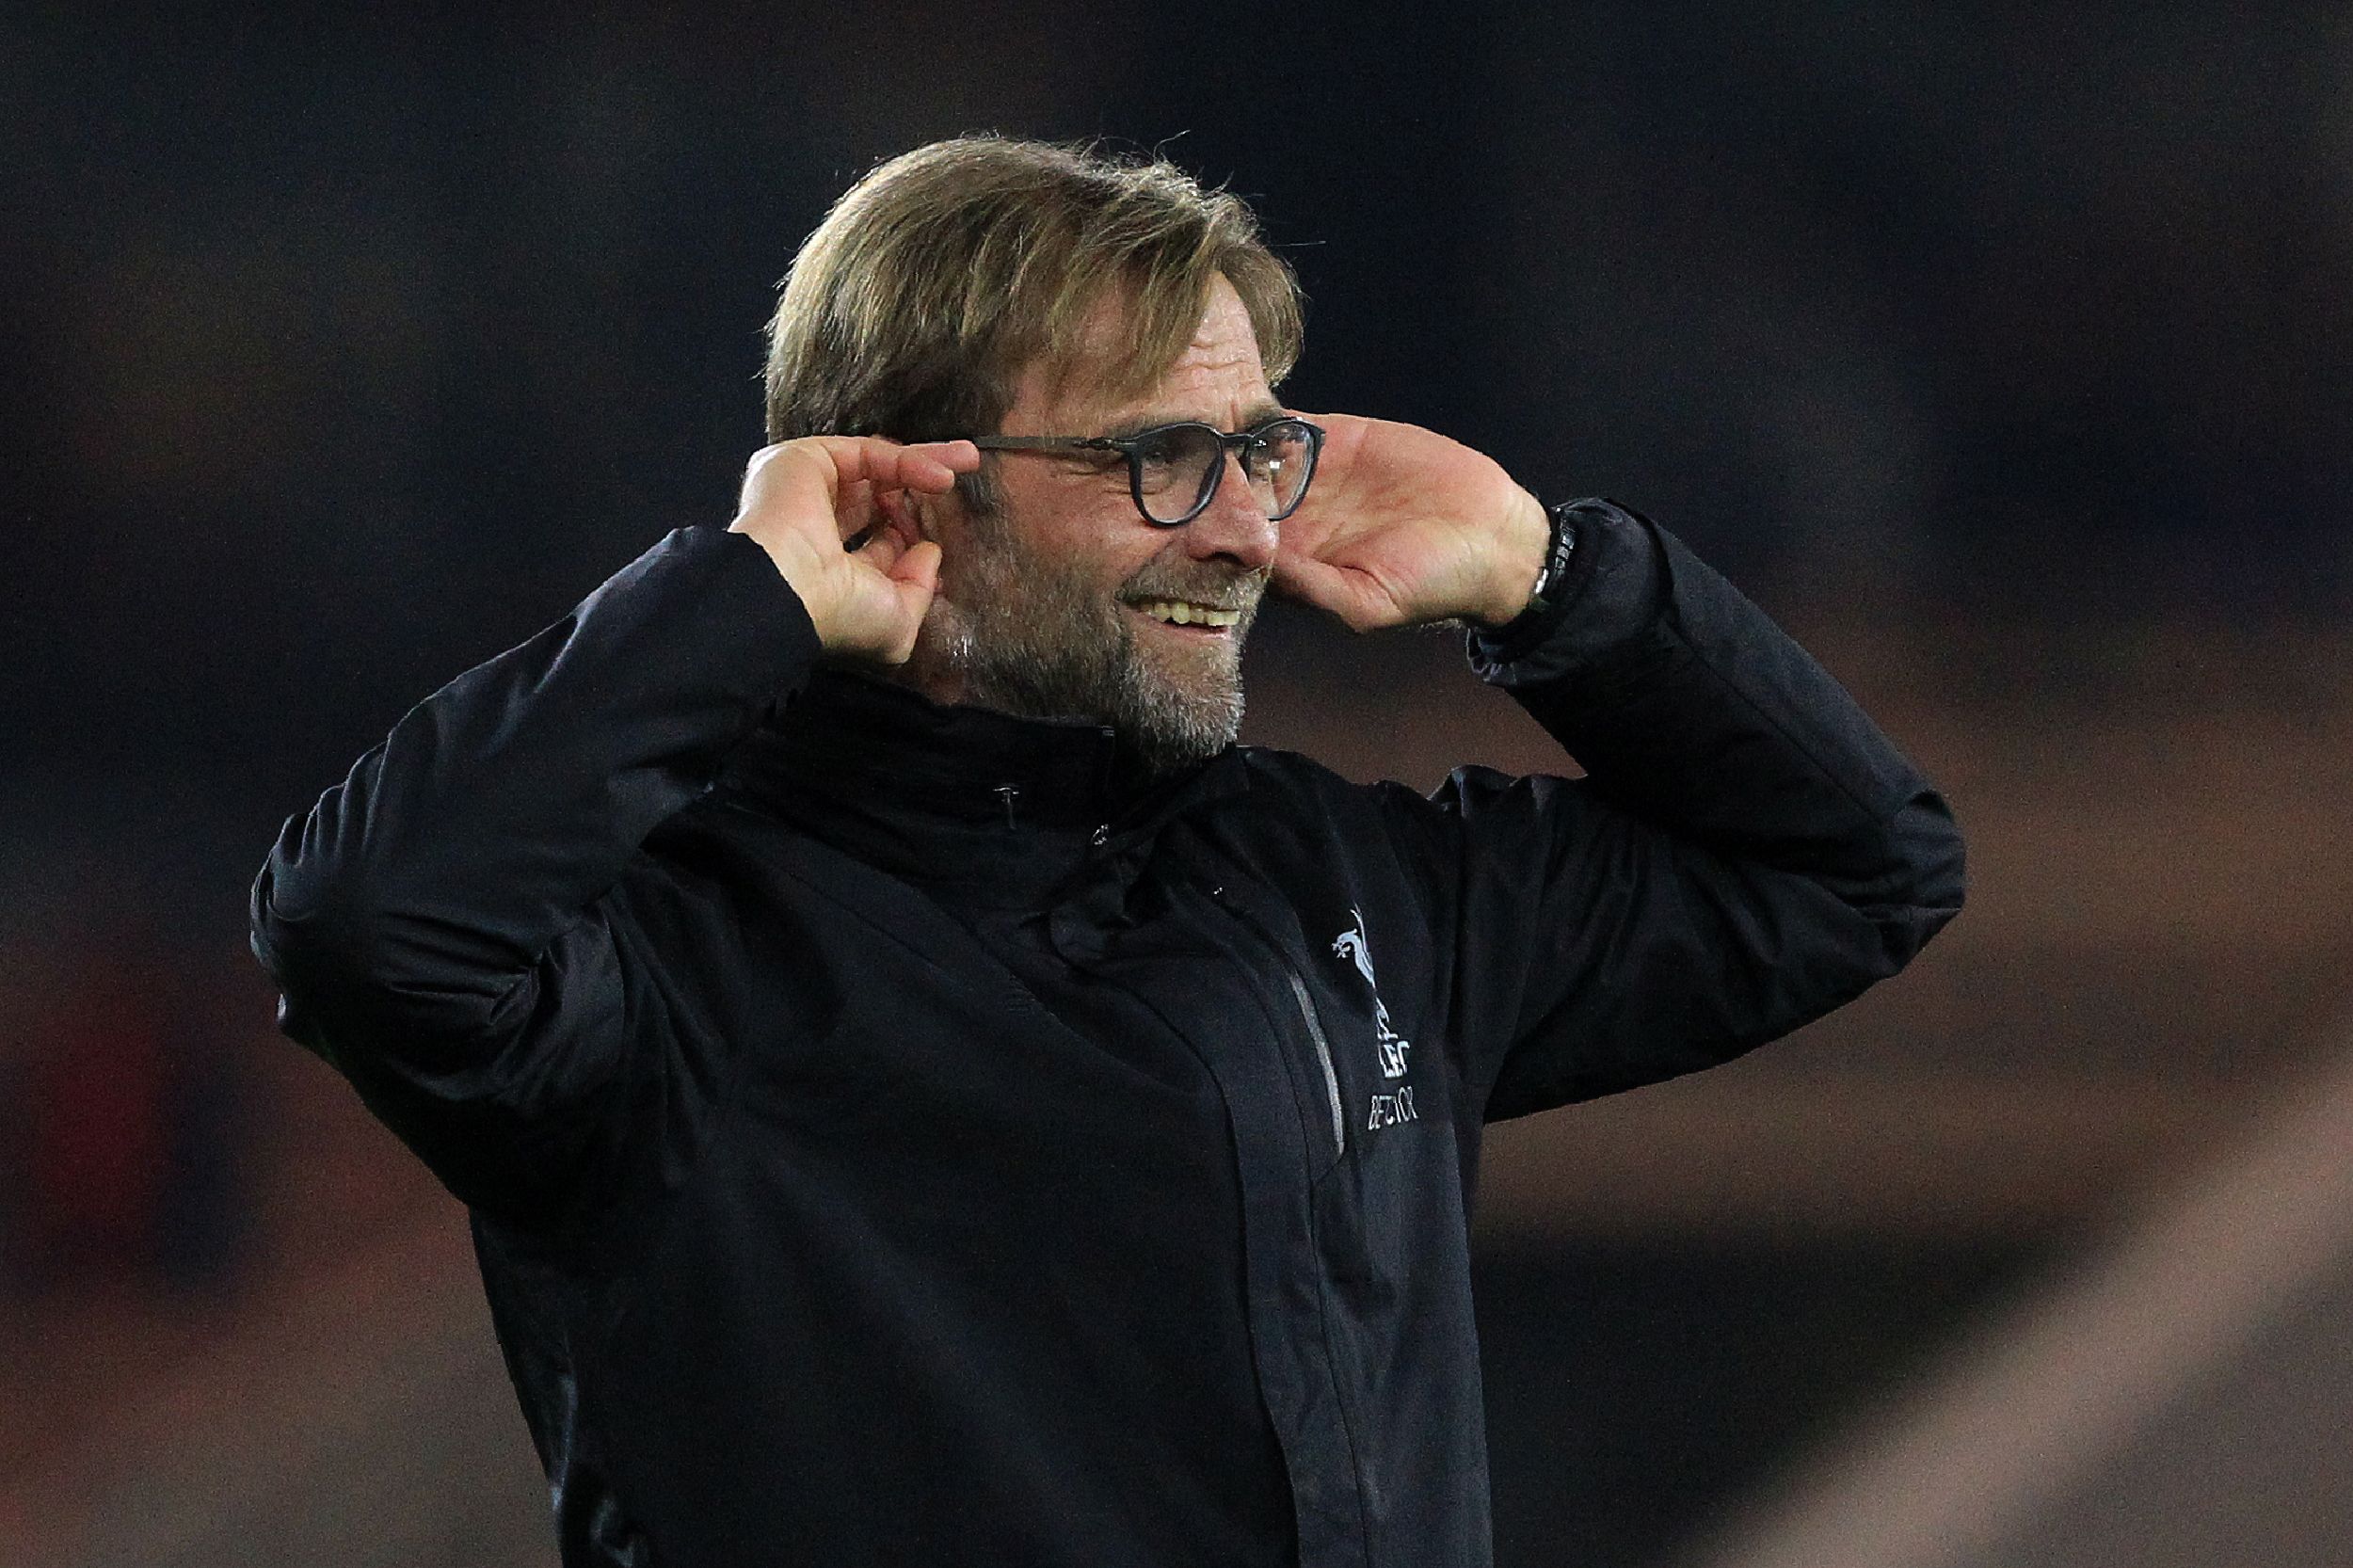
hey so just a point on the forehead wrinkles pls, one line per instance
(1101, 377)
(1101, 366)
(1222, 346)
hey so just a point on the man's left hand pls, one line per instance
(1402, 527)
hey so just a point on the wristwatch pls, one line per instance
(1558, 552)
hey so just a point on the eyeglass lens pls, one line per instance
(1177, 468)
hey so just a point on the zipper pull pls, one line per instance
(1009, 794)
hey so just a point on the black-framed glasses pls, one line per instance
(1175, 470)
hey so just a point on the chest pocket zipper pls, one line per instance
(1324, 1055)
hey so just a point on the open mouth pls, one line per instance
(1179, 612)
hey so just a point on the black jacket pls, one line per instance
(894, 1135)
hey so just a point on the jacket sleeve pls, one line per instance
(1746, 851)
(443, 926)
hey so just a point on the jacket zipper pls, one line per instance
(1324, 1055)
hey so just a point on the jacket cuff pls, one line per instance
(1611, 597)
(724, 614)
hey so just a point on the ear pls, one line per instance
(912, 515)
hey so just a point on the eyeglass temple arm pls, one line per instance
(1000, 443)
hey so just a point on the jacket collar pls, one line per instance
(948, 793)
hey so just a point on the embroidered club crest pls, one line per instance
(1350, 945)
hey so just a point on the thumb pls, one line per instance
(1359, 600)
(915, 578)
(918, 568)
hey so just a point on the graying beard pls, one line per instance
(1006, 669)
(1095, 672)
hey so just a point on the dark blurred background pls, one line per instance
(2001, 350)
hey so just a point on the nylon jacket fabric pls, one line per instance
(898, 1133)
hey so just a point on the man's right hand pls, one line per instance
(802, 499)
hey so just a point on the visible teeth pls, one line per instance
(1185, 613)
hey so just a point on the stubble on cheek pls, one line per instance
(1027, 637)
(1034, 636)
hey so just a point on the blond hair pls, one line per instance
(937, 279)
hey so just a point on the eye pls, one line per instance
(1172, 462)
(1160, 450)
(1280, 461)
(1278, 446)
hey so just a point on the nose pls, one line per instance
(1233, 525)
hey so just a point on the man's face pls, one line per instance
(1061, 605)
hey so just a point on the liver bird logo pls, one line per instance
(1350, 945)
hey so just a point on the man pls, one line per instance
(923, 1092)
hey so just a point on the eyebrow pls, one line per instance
(1252, 418)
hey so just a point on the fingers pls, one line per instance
(831, 462)
(1336, 425)
(888, 466)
